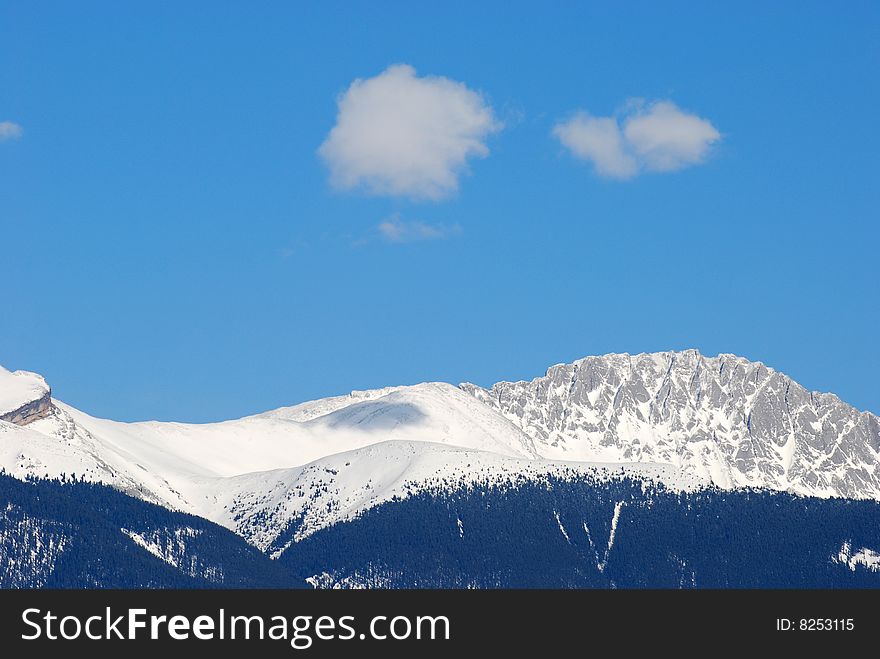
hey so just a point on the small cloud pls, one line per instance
(666, 139)
(597, 139)
(396, 230)
(658, 137)
(401, 135)
(9, 130)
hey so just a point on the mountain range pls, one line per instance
(679, 422)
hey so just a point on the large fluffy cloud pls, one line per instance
(658, 137)
(9, 130)
(398, 134)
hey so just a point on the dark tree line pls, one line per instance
(512, 536)
(87, 519)
(549, 534)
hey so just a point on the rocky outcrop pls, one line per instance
(30, 412)
(737, 422)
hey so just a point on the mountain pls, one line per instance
(677, 419)
(726, 419)
(274, 510)
(312, 464)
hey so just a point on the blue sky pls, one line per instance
(176, 247)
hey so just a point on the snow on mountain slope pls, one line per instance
(20, 388)
(737, 422)
(259, 506)
(433, 412)
(69, 450)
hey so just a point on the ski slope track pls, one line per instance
(679, 419)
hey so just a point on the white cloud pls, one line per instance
(666, 139)
(658, 137)
(597, 139)
(396, 230)
(9, 130)
(398, 134)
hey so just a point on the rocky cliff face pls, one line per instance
(737, 422)
(31, 411)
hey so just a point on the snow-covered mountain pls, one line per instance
(275, 478)
(311, 464)
(736, 422)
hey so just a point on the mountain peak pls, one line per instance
(737, 422)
